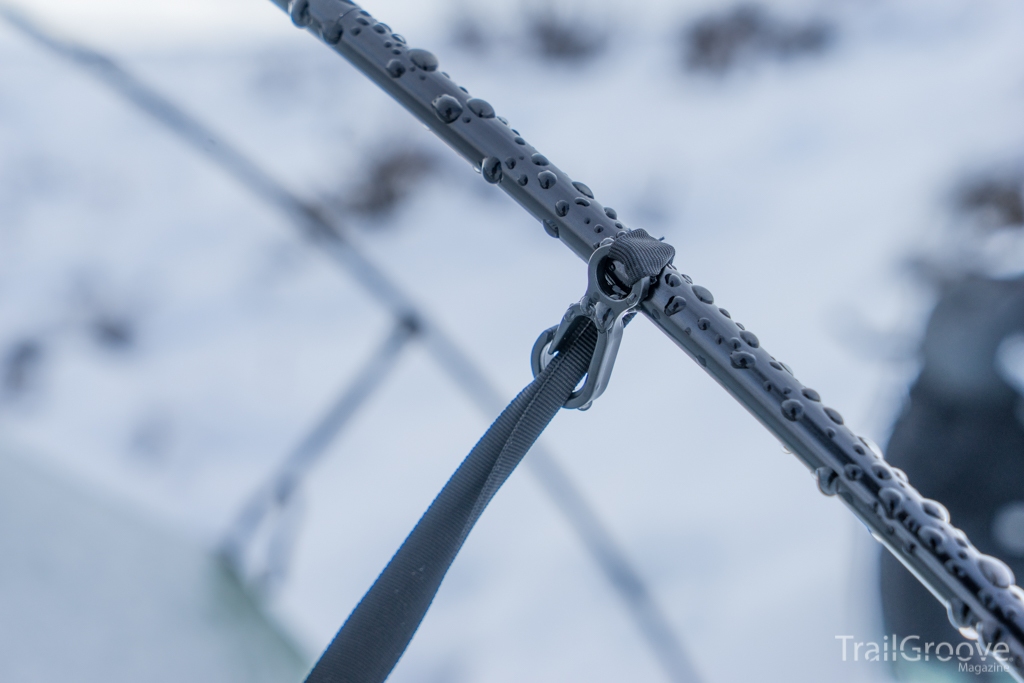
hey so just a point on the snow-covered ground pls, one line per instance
(794, 191)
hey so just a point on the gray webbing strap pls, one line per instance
(377, 632)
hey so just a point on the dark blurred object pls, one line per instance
(113, 332)
(468, 33)
(722, 41)
(21, 365)
(994, 200)
(962, 444)
(389, 177)
(554, 31)
(563, 35)
(107, 312)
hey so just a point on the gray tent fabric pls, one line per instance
(961, 441)
(90, 591)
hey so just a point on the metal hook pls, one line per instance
(606, 313)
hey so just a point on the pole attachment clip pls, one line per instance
(606, 309)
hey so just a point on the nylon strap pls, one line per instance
(379, 629)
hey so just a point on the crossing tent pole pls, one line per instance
(977, 589)
(320, 227)
(277, 492)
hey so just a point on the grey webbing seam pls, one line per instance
(381, 626)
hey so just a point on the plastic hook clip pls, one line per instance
(607, 312)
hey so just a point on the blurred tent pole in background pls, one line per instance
(960, 436)
(315, 223)
(275, 497)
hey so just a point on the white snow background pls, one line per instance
(793, 191)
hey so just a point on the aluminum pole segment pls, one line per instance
(319, 227)
(978, 590)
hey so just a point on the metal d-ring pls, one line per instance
(607, 314)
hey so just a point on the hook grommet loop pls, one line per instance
(603, 310)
